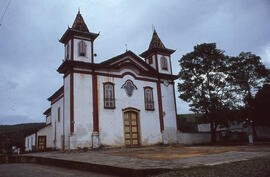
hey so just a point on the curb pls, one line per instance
(98, 168)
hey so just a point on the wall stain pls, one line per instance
(81, 131)
(170, 134)
(82, 76)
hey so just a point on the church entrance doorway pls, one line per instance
(41, 143)
(131, 127)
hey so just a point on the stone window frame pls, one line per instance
(149, 102)
(164, 63)
(111, 100)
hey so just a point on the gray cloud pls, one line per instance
(30, 52)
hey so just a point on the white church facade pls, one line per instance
(127, 100)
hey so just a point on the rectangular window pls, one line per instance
(58, 114)
(82, 48)
(164, 63)
(109, 100)
(148, 98)
(67, 51)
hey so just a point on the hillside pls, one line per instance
(13, 135)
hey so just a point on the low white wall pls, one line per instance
(194, 138)
(262, 132)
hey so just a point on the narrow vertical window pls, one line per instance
(67, 51)
(58, 114)
(148, 98)
(82, 48)
(109, 100)
(164, 63)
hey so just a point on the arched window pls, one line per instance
(82, 48)
(109, 100)
(148, 98)
(164, 63)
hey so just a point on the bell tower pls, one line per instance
(79, 41)
(158, 56)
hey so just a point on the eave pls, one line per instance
(56, 94)
(157, 50)
(47, 112)
(71, 32)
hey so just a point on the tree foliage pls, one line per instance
(257, 110)
(217, 85)
(249, 72)
(205, 82)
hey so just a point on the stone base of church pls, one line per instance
(170, 136)
(95, 140)
(164, 139)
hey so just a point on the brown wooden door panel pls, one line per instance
(131, 128)
(41, 143)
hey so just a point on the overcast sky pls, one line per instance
(30, 52)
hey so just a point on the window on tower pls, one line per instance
(150, 61)
(82, 48)
(164, 63)
(67, 51)
(109, 99)
(148, 98)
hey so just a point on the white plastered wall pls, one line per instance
(170, 125)
(67, 111)
(30, 141)
(48, 119)
(111, 120)
(57, 125)
(48, 132)
(83, 111)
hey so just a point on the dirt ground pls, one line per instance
(249, 168)
(178, 152)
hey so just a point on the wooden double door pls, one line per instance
(131, 128)
(41, 143)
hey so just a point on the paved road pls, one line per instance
(35, 170)
(103, 158)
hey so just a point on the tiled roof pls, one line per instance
(156, 42)
(79, 23)
(156, 45)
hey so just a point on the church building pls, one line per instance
(128, 100)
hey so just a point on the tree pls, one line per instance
(206, 84)
(249, 74)
(261, 106)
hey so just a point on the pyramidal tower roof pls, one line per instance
(79, 23)
(156, 42)
(156, 45)
(79, 28)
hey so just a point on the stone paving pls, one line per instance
(102, 157)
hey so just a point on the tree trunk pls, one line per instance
(213, 132)
(254, 132)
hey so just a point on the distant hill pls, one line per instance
(13, 135)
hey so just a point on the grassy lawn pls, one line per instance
(250, 168)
